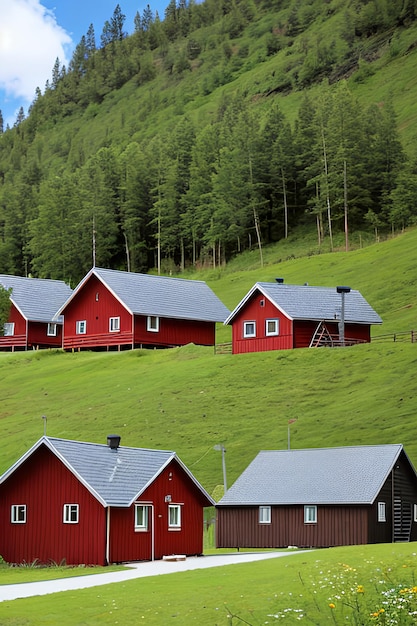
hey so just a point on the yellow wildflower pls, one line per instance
(332, 606)
(360, 589)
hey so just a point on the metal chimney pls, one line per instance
(113, 441)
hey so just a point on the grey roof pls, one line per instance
(115, 477)
(304, 302)
(345, 475)
(161, 296)
(37, 299)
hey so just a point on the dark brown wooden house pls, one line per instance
(320, 498)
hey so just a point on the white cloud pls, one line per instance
(30, 42)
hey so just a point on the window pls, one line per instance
(152, 324)
(415, 512)
(264, 514)
(174, 516)
(18, 514)
(271, 327)
(51, 332)
(71, 513)
(310, 514)
(114, 324)
(382, 512)
(141, 517)
(8, 329)
(81, 327)
(249, 329)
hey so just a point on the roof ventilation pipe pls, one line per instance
(113, 441)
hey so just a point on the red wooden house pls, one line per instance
(275, 316)
(125, 309)
(321, 497)
(33, 306)
(98, 504)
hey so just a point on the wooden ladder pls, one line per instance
(403, 520)
(321, 336)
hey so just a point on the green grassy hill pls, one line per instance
(189, 399)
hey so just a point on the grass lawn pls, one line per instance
(331, 586)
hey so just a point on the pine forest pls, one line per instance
(215, 128)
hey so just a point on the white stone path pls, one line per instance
(133, 570)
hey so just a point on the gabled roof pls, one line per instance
(159, 296)
(37, 299)
(115, 477)
(345, 475)
(303, 302)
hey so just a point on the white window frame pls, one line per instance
(264, 514)
(18, 514)
(174, 517)
(114, 324)
(71, 514)
(275, 331)
(81, 327)
(382, 512)
(310, 514)
(51, 331)
(415, 512)
(8, 329)
(152, 324)
(249, 325)
(143, 524)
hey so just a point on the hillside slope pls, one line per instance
(189, 399)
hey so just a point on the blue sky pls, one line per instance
(33, 33)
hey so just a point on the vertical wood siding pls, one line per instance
(175, 332)
(38, 336)
(126, 544)
(336, 526)
(95, 304)
(44, 485)
(305, 329)
(258, 309)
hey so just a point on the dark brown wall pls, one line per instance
(336, 525)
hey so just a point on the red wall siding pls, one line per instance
(38, 336)
(336, 526)
(126, 544)
(254, 311)
(175, 332)
(95, 304)
(304, 331)
(19, 337)
(44, 484)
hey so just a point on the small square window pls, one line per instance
(271, 327)
(264, 514)
(174, 516)
(81, 327)
(114, 324)
(249, 329)
(152, 324)
(51, 332)
(382, 515)
(18, 514)
(310, 514)
(71, 513)
(141, 516)
(8, 329)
